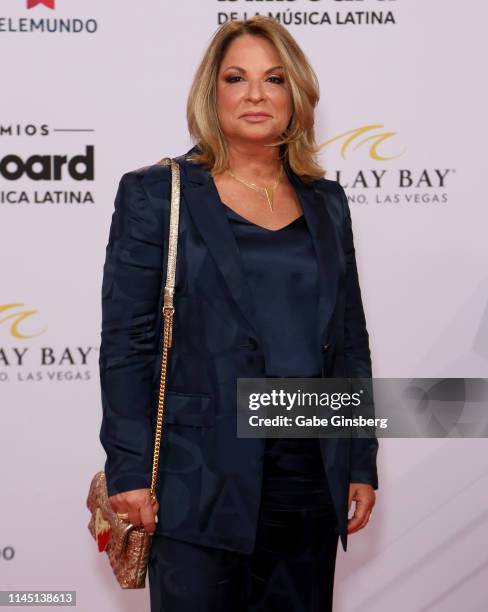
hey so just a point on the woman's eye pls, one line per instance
(232, 79)
(278, 79)
(235, 78)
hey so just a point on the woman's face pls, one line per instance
(251, 81)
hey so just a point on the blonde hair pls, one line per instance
(297, 144)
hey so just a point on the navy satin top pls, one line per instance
(281, 269)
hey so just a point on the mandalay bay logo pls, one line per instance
(23, 359)
(387, 181)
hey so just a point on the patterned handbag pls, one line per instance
(128, 547)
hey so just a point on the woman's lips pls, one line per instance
(255, 117)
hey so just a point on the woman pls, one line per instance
(266, 285)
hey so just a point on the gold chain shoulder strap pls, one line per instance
(168, 307)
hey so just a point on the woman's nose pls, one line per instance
(255, 90)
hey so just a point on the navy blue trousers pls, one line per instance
(291, 568)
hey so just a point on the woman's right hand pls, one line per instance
(137, 503)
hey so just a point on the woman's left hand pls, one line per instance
(365, 498)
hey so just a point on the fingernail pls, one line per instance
(156, 518)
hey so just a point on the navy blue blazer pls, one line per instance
(209, 480)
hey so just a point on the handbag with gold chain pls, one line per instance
(127, 546)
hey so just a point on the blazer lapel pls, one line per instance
(201, 195)
(328, 248)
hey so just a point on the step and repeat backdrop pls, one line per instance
(90, 90)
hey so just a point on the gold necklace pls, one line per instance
(267, 191)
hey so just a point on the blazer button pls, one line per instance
(325, 347)
(253, 342)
